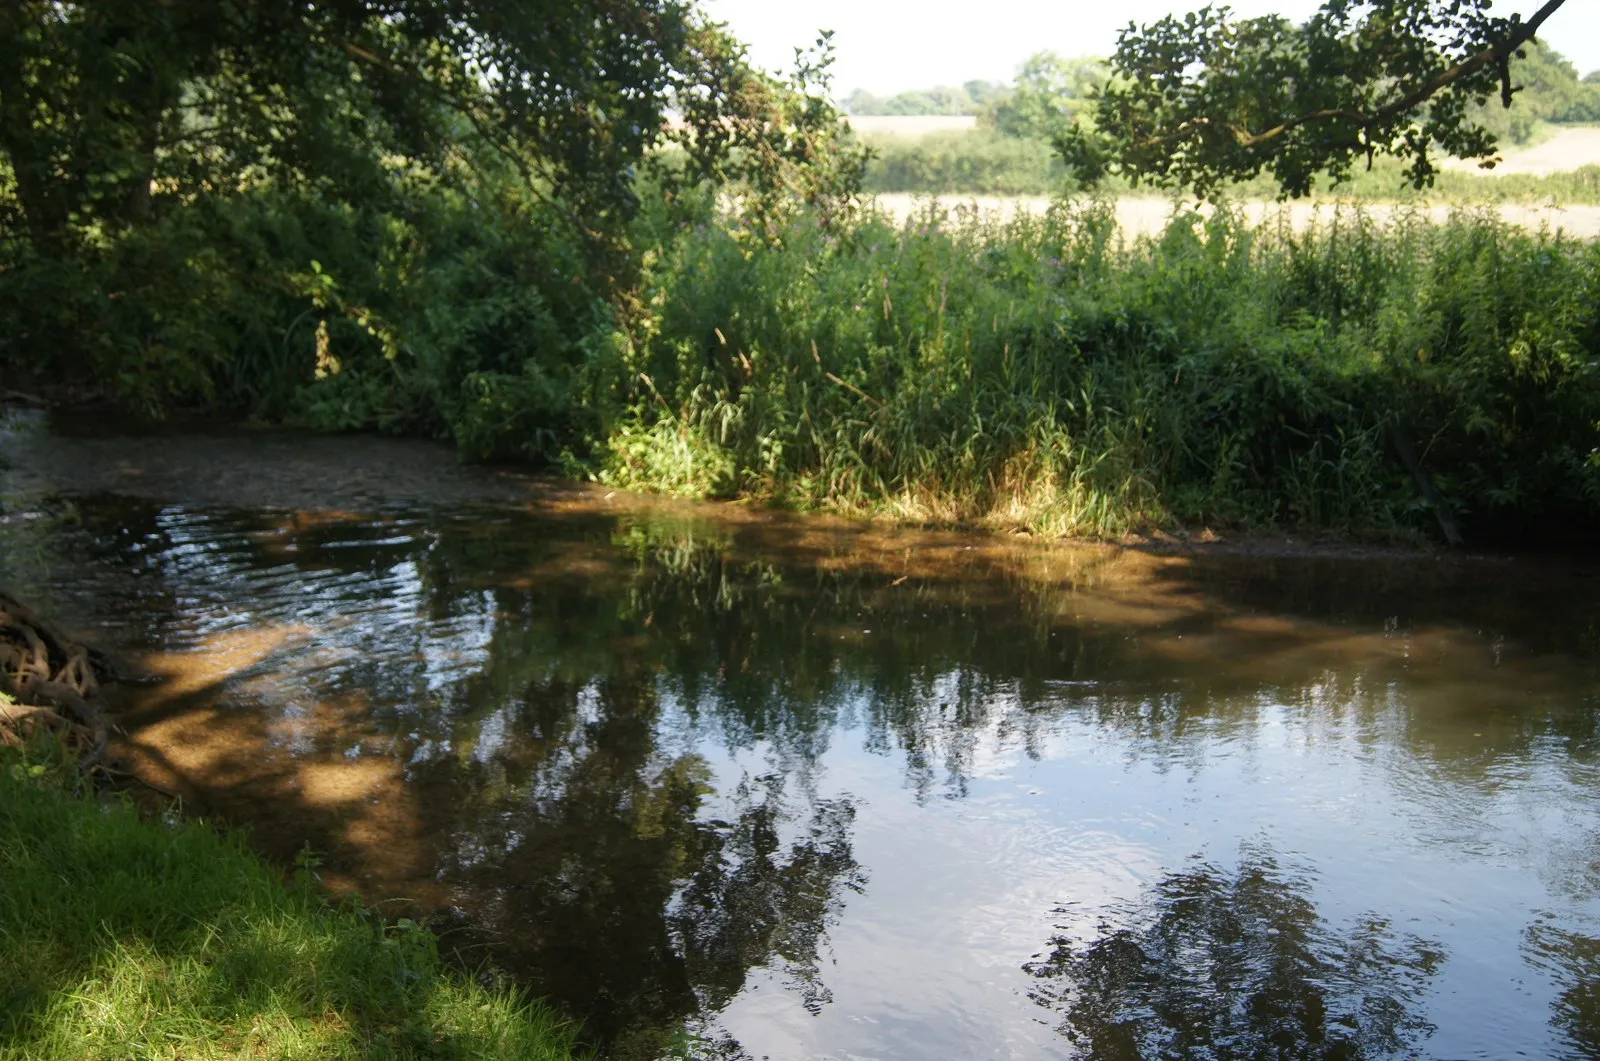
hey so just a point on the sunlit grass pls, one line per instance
(123, 937)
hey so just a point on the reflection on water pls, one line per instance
(1238, 963)
(824, 790)
(1575, 962)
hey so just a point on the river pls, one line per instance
(743, 783)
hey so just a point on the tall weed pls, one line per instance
(1046, 374)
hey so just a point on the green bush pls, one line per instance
(437, 314)
(980, 162)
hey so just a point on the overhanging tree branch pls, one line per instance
(1204, 99)
(1495, 55)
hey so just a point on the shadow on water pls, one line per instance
(630, 750)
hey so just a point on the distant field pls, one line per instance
(1567, 150)
(1147, 216)
(911, 124)
(944, 158)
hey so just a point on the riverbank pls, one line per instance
(366, 475)
(1375, 376)
(123, 936)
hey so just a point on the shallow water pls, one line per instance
(812, 789)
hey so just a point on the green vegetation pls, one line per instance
(1385, 182)
(719, 319)
(476, 222)
(127, 937)
(983, 162)
(1051, 94)
(1042, 374)
(980, 162)
(1205, 99)
(1015, 149)
(1547, 90)
(192, 194)
(970, 98)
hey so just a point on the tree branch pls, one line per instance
(1498, 54)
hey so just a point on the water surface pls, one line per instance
(811, 789)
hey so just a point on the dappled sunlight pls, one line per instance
(228, 726)
(220, 658)
(505, 465)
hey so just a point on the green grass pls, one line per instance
(122, 937)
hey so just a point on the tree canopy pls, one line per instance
(1051, 92)
(195, 192)
(105, 107)
(113, 109)
(1203, 99)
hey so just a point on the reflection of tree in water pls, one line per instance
(588, 853)
(751, 902)
(524, 669)
(1237, 964)
(1574, 962)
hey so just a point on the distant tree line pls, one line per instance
(1052, 93)
(970, 98)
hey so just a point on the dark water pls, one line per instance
(813, 790)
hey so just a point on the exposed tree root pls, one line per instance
(54, 683)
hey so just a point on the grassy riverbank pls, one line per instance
(1046, 374)
(127, 937)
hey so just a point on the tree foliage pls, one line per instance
(1050, 94)
(1203, 99)
(1547, 90)
(190, 187)
(110, 110)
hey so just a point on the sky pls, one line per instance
(889, 46)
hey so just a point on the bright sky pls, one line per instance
(888, 46)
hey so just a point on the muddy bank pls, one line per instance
(365, 475)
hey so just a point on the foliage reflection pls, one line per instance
(1238, 964)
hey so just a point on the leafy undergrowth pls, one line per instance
(123, 937)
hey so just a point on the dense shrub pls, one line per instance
(435, 313)
(979, 162)
(1045, 374)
